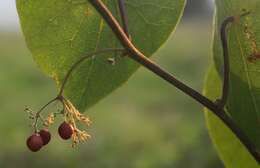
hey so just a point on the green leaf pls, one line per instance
(244, 96)
(60, 32)
(230, 149)
(244, 42)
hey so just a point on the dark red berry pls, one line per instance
(45, 135)
(35, 142)
(65, 131)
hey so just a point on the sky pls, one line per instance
(8, 16)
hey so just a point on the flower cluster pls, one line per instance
(72, 116)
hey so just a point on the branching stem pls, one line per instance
(60, 97)
(38, 114)
(139, 57)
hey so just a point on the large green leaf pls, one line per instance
(244, 42)
(59, 32)
(231, 151)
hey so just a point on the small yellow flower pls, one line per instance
(49, 120)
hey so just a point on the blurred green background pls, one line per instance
(145, 124)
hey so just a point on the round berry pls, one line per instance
(45, 135)
(65, 131)
(35, 142)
